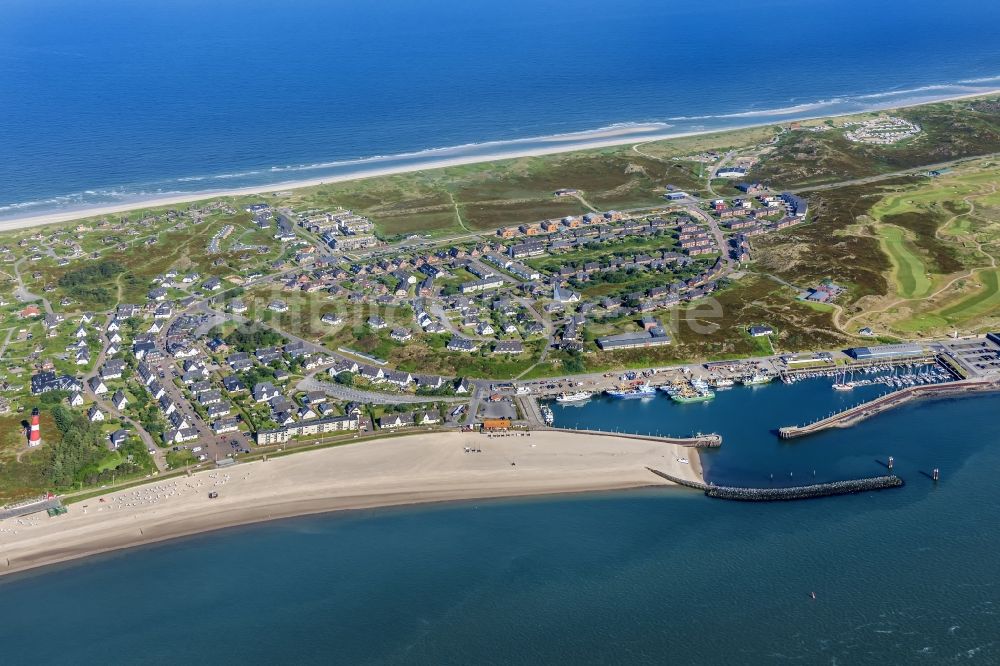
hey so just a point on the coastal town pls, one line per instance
(202, 368)
(254, 327)
(499, 333)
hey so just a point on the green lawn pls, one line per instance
(982, 302)
(909, 272)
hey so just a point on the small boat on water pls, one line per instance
(643, 390)
(842, 386)
(579, 396)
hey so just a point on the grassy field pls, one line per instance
(508, 192)
(22, 470)
(983, 302)
(951, 131)
(184, 249)
(942, 239)
(909, 272)
(833, 245)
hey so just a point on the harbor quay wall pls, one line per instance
(923, 359)
(787, 494)
(858, 413)
(710, 441)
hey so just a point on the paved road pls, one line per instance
(436, 309)
(104, 403)
(351, 394)
(25, 296)
(3, 349)
(473, 411)
(915, 171)
(720, 239)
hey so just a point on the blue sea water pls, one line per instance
(655, 576)
(116, 100)
(112, 100)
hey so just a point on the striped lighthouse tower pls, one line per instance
(35, 435)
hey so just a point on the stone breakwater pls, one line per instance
(804, 492)
(785, 494)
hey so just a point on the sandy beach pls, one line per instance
(428, 467)
(366, 169)
(437, 159)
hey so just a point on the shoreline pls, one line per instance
(607, 137)
(416, 469)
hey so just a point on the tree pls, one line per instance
(64, 417)
(346, 378)
(249, 339)
(573, 363)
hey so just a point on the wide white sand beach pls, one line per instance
(366, 169)
(428, 467)
(441, 158)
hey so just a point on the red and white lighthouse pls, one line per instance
(35, 434)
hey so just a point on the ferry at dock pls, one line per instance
(579, 396)
(547, 415)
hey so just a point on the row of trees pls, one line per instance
(80, 448)
(78, 456)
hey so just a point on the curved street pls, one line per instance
(350, 394)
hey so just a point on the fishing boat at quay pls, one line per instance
(696, 390)
(579, 396)
(643, 390)
(755, 379)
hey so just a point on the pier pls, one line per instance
(831, 369)
(532, 414)
(709, 441)
(858, 413)
(787, 494)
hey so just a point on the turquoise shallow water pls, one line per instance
(650, 576)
